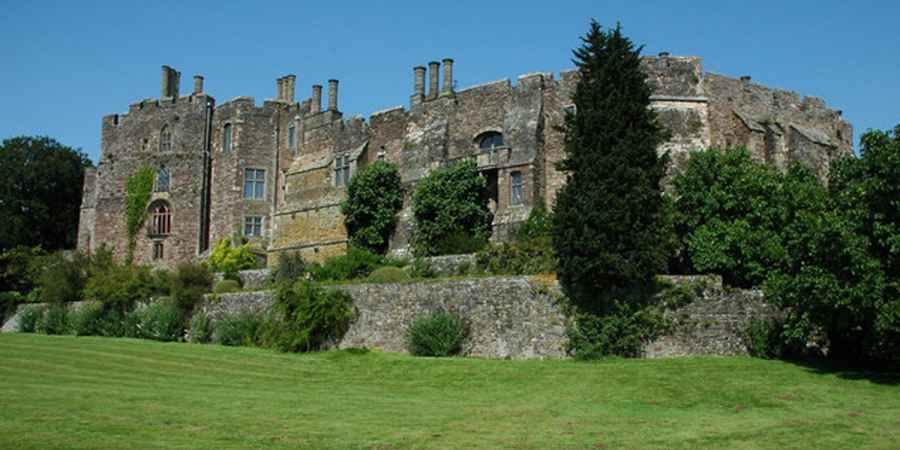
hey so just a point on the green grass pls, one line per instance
(67, 392)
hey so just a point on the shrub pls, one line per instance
(189, 283)
(29, 318)
(61, 280)
(237, 329)
(161, 321)
(525, 257)
(290, 267)
(622, 332)
(356, 263)
(116, 322)
(388, 275)
(86, 320)
(230, 259)
(55, 320)
(374, 197)
(610, 226)
(20, 268)
(436, 334)
(226, 286)
(450, 200)
(460, 243)
(421, 268)
(121, 285)
(201, 328)
(539, 225)
(310, 317)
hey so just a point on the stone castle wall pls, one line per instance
(519, 317)
(299, 144)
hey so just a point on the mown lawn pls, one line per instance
(67, 392)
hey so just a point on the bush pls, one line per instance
(356, 263)
(20, 269)
(388, 275)
(539, 225)
(61, 280)
(237, 329)
(116, 322)
(55, 320)
(460, 243)
(436, 334)
(86, 320)
(201, 328)
(374, 197)
(121, 285)
(231, 259)
(189, 283)
(421, 268)
(310, 317)
(622, 332)
(290, 268)
(161, 321)
(525, 257)
(29, 318)
(226, 286)
(450, 201)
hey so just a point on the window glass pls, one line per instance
(490, 140)
(253, 226)
(226, 138)
(292, 138)
(162, 180)
(516, 192)
(341, 170)
(255, 184)
(162, 219)
(165, 139)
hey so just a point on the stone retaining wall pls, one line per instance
(518, 317)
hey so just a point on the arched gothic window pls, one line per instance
(227, 137)
(162, 219)
(162, 180)
(489, 140)
(165, 139)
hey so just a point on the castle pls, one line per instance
(277, 173)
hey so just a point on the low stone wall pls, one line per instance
(450, 265)
(250, 279)
(518, 317)
(11, 323)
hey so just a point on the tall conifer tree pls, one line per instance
(609, 217)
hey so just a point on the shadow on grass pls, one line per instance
(888, 375)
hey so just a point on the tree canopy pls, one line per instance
(40, 200)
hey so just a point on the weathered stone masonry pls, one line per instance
(276, 173)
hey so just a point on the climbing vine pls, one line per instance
(138, 189)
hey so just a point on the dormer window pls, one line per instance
(490, 140)
(165, 139)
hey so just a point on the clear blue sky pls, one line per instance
(65, 64)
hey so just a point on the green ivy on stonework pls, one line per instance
(138, 189)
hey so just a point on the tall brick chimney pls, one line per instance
(198, 84)
(332, 95)
(433, 75)
(279, 83)
(316, 104)
(419, 85)
(289, 82)
(448, 76)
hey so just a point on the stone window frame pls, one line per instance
(165, 139)
(342, 170)
(258, 183)
(292, 137)
(492, 134)
(227, 137)
(163, 180)
(158, 250)
(160, 218)
(256, 229)
(516, 188)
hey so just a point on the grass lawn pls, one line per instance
(67, 392)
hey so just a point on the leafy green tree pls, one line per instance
(450, 202)
(609, 218)
(41, 199)
(374, 197)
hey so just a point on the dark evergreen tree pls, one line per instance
(610, 227)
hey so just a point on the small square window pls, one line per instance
(253, 226)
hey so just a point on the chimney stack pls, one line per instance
(171, 79)
(316, 104)
(198, 84)
(164, 88)
(332, 95)
(433, 75)
(280, 88)
(289, 82)
(746, 79)
(448, 76)
(663, 54)
(419, 94)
